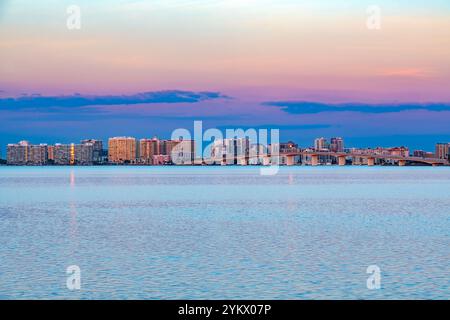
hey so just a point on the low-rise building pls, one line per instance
(160, 159)
(423, 154)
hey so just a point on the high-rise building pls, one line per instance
(38, 155)
(97, 149)
(183, 152)
(73, 154)
(84, 154)
(179, 151)
(218, 151)
(51, 153)
(62, 154)
(148, 148)
(442, 150)
(242, 147)
(17, 154)
(321, 144)
(122, 150)
(230, 150)
(166, 146)
(257, 152)
(337, 144)
(25, 153)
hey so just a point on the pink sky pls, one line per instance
(241, 48)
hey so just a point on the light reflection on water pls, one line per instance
(224, 232)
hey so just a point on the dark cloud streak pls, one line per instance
(305, 107)
(77, 100)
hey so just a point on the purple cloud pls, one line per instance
(305, 107)
(77, 100)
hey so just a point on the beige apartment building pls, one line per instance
(148, 148)
(122, 150)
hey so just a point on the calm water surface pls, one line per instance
(224, 232)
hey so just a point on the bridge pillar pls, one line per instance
(223, 162)
(314, 160)
(402, 163)
(341, 160)
(370, 162)
(290, 160)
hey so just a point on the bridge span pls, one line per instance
(341, 158)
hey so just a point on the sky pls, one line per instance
(144, 68)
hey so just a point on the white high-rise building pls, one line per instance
(230, 150)
(321, 144)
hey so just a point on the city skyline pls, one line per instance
(307, 68)
(312, 144)
(238, 150)
(150, 138)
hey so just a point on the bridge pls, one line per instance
(340, 156)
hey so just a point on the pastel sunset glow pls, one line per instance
(236, 63)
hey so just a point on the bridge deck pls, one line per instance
(356, 155)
